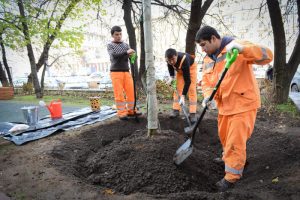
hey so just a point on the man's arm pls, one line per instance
(186, 75)
(253, 53)
(119, 52)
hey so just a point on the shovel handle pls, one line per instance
(230, 58)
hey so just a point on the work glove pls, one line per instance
(234, 45)
(132, 58)
(211, 105)
(182, 100)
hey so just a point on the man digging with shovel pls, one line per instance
(186, 80)
(238, 96)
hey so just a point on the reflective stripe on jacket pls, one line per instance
(239, 91)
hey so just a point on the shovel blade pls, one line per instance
(183, 152)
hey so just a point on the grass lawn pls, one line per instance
(67, 100)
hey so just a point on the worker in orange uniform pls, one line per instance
(122, 82)
(237, 99)
(186, 80)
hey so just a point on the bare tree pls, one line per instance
(283, 71)
(198, 12)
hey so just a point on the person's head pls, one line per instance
(208, 39)
(116, 33)
(171, 56)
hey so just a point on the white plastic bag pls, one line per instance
(18, 127)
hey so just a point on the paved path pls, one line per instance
(295, 96)
(10, 111)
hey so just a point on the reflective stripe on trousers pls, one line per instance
(123, 92)
(234, 131)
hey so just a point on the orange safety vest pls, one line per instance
(238, 91)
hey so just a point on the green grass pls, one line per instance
(288, 107)
(66, 100)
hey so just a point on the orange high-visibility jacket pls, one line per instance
(238, 91)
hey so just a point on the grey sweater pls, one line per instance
(118, 56)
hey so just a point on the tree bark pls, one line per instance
(142, 69)
(151, 86)
(3, 78)
(5, 61)
(31, 57)
(283, 72)
(127, 6)
(197, 14)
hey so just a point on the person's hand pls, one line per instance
(130, 51)
(211, 105)
(234, 45)
(182, 100)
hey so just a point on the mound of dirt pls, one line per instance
(137, 163)
(118, 156)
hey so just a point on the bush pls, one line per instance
(27, 88)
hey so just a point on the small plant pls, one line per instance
(27, 88)
(289, 108)
(164, 91)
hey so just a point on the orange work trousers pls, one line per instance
(234, 131)
(124, 92)
(192, 92)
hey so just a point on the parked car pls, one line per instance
(18, 82)
(295, 84)
(105, 84)
(51, 82)
(78, 85)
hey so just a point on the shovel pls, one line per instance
(133, 58)
(183, 108)
(185, 150)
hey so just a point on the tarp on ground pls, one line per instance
(47, 126)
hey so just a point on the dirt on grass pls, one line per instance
(116, 160)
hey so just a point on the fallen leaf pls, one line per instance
(109, 192)
(275, 180)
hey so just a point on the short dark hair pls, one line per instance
(115, 29)
(205, 33)
(170, 53)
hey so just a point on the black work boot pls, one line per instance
(224, 185)
(174, 114)
(193, 117)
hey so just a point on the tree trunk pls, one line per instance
(294, 60)
(151, 86)
(3, 77)
(5, 61)
(142, 69)
(127, 6)
(197, 14)
(34, 76)
(45, 53)
(42, 79)
(280, 83)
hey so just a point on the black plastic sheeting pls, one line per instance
(47, 126)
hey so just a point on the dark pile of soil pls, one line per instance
(119, 156)
(130, 162)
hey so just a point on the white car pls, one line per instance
(18, 82)
(105, 84)
(295, 84)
